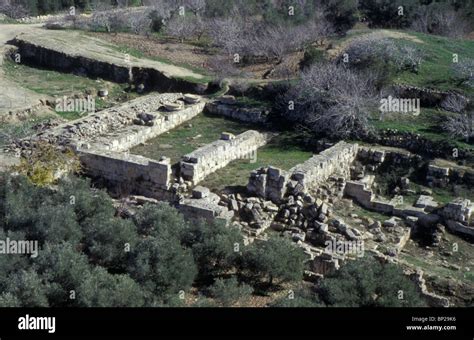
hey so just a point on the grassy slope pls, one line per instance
(435, 72)
(436, 68)
(57, 84)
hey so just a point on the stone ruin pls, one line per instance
(273, 184)
(300, 202)
(196, 165)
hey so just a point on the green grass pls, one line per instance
(189, 136)
(427, 124)
(436, 69)
(282, 151)
(57, 84)
(139, 54)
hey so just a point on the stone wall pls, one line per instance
(196, 165)
(131, 174)
(256, 115)
(133, 135)
(273, 183)
(318, 168)
(107, 121)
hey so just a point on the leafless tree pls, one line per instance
(140, 22)
(433, 19)
(464, 71)
(460, 125)
(12, 9)
(183, 27)
(101, 20)
(371, 48)
(455, 103)
(195, 6)
(227, 33)
(332, 100)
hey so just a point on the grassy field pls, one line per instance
(433, 265)
(282, 151)
(57, 84)
(427, 124)
(436, 69)
(191, 135)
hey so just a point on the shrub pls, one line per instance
(276, 259)
(367, 282)
(228, 291)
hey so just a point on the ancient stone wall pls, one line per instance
(318, 168)
(94, 125)
(256, 115)
(273, 183)
(133, 135)
(129, 173)
(196, 165)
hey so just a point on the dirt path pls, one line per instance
(13, 97)
(379, 34)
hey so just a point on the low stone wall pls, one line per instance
(318, 168)
(134, 135)
(273, 183)
(255, 115)
(440, 176)
(129, 173)
(94, 125)
(196, 165)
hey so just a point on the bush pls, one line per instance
(385, 13)
(229, 291)
(342, 14)
(331, 100)
(276, 259)
(367, 282)
(45, 164)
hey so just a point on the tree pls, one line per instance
(101, 289)
(184, 27)
(441, 19)
(389, 13)
(215, 247)
(331, 100)
(162, 265)
(464, 72)
(229, 291)
(28, 288)
(367, 282)
(160, 220)
(278, 258)
(460, 125)
(303, 297)
(64, 268)
(109, 240)
(342, 14)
